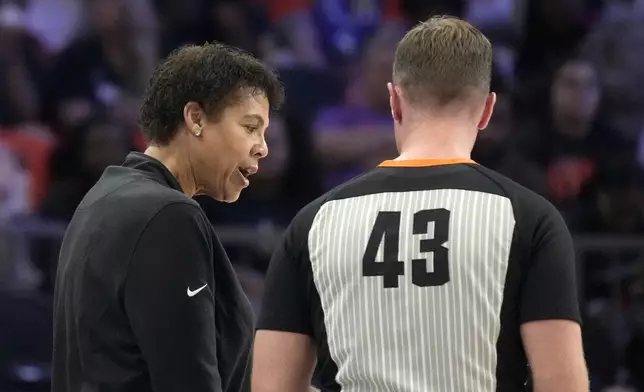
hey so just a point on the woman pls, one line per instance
(146, 298)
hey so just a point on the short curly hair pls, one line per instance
(212, 75)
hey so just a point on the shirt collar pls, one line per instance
(153, 167)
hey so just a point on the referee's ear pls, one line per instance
(394, 102)
(490, 101)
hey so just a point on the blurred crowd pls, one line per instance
(569, 124)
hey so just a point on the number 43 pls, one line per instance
(387, 227)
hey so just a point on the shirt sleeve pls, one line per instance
(550, 286)
(287, 298)
(169, 300)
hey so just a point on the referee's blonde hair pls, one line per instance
(443, 60)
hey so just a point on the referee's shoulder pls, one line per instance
(530, 208)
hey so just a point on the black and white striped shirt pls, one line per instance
(417, 275)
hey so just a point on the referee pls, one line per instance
(429, 273)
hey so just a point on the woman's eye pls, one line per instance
(250, 128)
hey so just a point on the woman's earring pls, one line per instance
(197, 130)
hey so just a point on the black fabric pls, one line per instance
(540, 281)
(146, 298)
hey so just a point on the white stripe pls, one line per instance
(413, 338)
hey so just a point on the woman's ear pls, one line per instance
(193, 117)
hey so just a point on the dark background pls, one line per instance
(570, 81)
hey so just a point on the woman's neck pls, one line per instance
(177, 165)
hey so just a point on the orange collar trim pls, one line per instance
(426, 162)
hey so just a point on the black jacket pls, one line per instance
(146, 298)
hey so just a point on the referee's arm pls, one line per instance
(175, 332)
(284, 355)
(549, 309)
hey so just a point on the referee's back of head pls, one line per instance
(429, 272)
(443, 62)
(440, 89)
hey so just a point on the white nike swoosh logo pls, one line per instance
(192, 293)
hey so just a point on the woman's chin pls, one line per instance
(230, 196)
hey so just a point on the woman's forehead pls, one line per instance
(253, 106)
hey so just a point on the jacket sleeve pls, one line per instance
(169, 301)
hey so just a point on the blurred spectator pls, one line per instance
(635, 349)
(32, 146)
(603, 358)
(614, 205)
(571, 140)
(23, 66)
(235, 22)
(328, 32)
(101, 70)
(75, 166)
(615, 49)
(358, 135)
(617, 356)
(417, 10)
(78, 163)
(14, 186)
(635, 360)
(57, 22)
(14, 204)
(494, 17)
(303, 179)
(252, 282)
(26, 341)
(500, 20)
(566, 151)
(54, 22)
(553, 31)
(618, 202)
(495, 148)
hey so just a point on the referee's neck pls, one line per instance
(438, 140)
